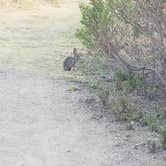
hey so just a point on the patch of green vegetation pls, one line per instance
(103, 94)
(93, 66)
(122, 75)
(73, 89)
(151, 121)
(134, 82)
(123, 109)
(126, 81)
(162, 132)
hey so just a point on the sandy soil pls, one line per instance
(41, 122)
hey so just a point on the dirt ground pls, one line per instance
(41, 122)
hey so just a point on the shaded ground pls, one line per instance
(41, 122)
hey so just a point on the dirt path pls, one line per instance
(43, 124)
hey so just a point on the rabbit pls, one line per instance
(70, 61)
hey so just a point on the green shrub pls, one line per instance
(96, 19)
(122, 75)
(134, 82)
(99, 21)
(126, 81)
(150, 120)
(122, 109)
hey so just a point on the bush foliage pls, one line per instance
(96, 19)
(127, 81)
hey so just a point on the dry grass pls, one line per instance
(26, 4)
(38, 40)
